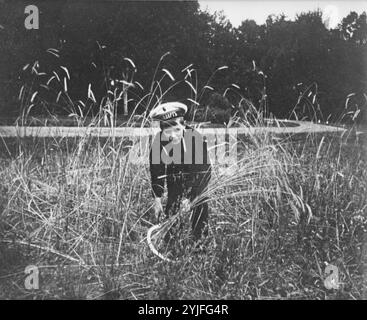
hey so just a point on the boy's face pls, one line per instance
(175, 131)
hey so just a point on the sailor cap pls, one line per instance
(168, 111)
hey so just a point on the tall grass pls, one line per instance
(80, 210)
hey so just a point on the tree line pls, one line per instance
(272, 64)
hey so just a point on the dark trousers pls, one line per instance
(199, 214)
(199, 220)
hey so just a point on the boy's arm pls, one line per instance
(157, 168)
(201, 172)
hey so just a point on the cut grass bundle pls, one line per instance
(260, 173)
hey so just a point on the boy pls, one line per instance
(179, 158)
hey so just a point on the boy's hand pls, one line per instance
(186, 205)
(157, 207)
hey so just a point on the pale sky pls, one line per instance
(237, 11)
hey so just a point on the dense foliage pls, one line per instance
(94, 37)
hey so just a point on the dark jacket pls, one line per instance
(186, 178)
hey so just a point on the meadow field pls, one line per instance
(80, 211)
(289, 208)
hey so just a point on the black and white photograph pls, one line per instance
(188, 150)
